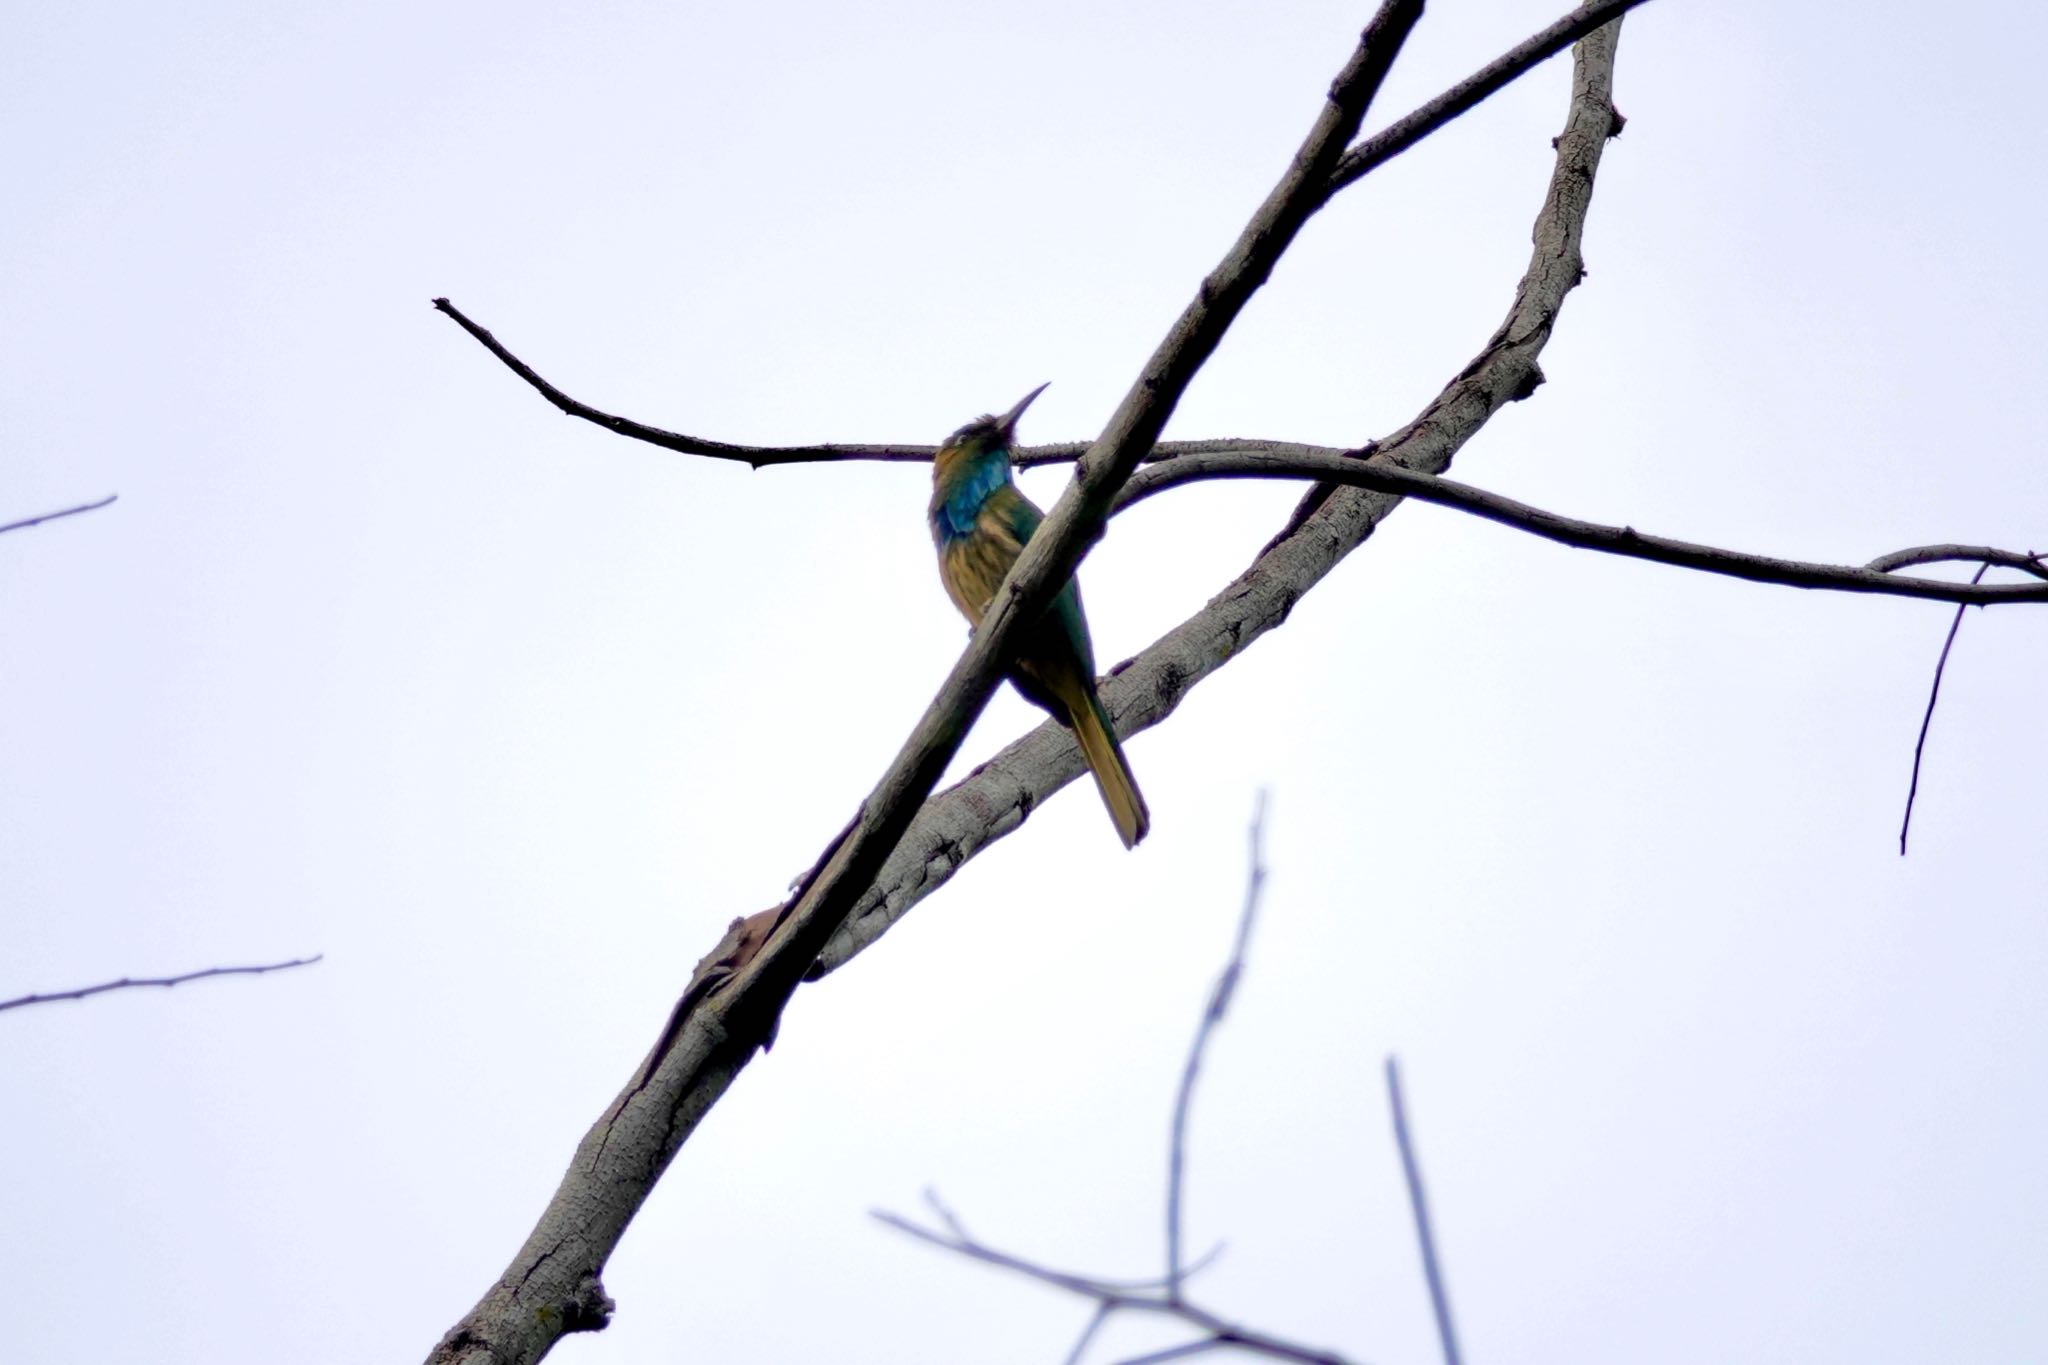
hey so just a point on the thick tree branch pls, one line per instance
(1355, 470)
(52, 516)
(553, 1285)
(998, 797)
(129, 982)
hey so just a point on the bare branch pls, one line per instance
(127, 982)
(1000, 796)
(52, 516)
(1177, 462)
(1439, 1297)
(1926, 720)
(1212, 1016)
(1095, 1321)
(759, 457)
(1110, 1298)
(1181, 1352)
(553, 1285)
(2035, 564)
(1372, 468)
(1403, 133)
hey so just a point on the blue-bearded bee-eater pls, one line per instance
(980, 522)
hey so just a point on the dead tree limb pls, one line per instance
(999, 796)
(553, 1284)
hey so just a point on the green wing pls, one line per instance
(1010, 515)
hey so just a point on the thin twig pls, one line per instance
(67, 512)
(764, 457)
(1219, 1004)
(1926, 720)
(1358, 469)
(1166, 1295)
(1398, 136)
(1112, 1296)
(1439, 1297)
(127, 981)
(1095, 1321)
(1180, 1352)
(757, 456)
(2026, 562)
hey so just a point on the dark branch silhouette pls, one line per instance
(1167, 1295)
(1173, 463)
(1212, 1017)
(1462, 98)
(1360, 469)
(765, 457)
(127, 982)
(1113, 1296)
(52, 516)
(1418, 1203)
(1927, 719)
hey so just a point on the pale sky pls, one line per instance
(380, 657)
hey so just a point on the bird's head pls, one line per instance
(986, 435)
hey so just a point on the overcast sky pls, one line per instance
(380, 657)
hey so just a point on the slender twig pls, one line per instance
(129, 981)
(763, 457)
(757, 456)
(1926, 720)
(1180, 1352)
(1112, 1298)
(1358, 469)
(1212, 1016)
(1087, 1337)
(1398, 136)
(2027, 562)
(1439, 1297)
(52, 516)
(1167, 1295)
(1352, 165)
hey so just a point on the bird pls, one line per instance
(980, 523)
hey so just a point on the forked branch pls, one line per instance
(1368, 468)
(552, 1285)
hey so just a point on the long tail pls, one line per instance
(1112, 773)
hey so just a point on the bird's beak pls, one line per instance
(1009, 420)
